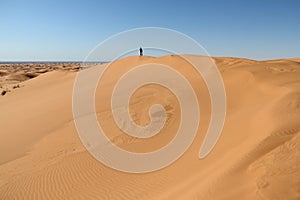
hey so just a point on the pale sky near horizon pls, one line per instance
(69, 30)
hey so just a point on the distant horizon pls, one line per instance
(81, 61)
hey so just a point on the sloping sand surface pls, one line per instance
(257, 156)
(13, 74)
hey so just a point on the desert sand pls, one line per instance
(256, 157)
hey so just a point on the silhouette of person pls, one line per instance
(141, 51)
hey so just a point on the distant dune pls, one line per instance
(257, 156)
(12, 73)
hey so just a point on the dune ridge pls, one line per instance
(257, 156)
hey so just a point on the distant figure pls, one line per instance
(141, 51)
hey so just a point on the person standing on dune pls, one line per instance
(141, 51)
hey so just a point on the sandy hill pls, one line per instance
(257, 156)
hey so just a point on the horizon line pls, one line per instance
(105, 61)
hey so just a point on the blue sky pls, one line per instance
(69, 30)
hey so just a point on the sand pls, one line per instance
(12, 75)
(257, 156)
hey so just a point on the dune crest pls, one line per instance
(257, 156)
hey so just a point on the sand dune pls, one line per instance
(257, 156)
(13, 74)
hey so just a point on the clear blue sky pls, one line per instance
(69, 30)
